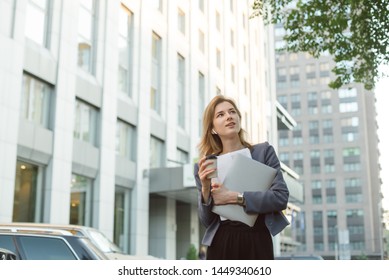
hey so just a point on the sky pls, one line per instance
(382, 102)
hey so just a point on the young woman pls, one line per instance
(226, 239)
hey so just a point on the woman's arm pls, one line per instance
(204, 207)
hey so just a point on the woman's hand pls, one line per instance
(203, 174)
(221, 195)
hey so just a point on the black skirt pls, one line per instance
(238, 241)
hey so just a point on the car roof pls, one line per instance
(93, 234)
(41, 225)
(32, 230)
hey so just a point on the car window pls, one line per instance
(41, 248)
(6, 242)
(103, 242)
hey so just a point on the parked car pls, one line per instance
(6, 255)
(44, 244)
(110, 249)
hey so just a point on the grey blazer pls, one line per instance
(270, 202)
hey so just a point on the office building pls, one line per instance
(334, 149)
(101, 105)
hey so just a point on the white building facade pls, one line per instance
(97, 95)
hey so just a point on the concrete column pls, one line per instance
(162, 240)
(12, 55)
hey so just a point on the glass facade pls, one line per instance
(157, 158)
(86, 35)
(28, 193)
(125, 46)
(37, 21)
(125, 140)
(36, 98)
(156, 68)
(81, 200)
(85, 122)
(122, 218)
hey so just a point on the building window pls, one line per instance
(155, 91)
(182, 156)
(232, 6)
(232, 37)
(244, 21)
(352, 167)
(125, 47)
(351, 159)
(316, 184)
(279, 31)
(294, 76)
(292, 56)
(330, 183)
(352, 122)
(326, 109)
(217, 20)
(121, 231)
(348, 107)
(85, 122)
(86, 34)
(353, 197)
(352, 183)
(284, 157)
(283, 141)
(201, 99)
(180, 91)
(331, 198)
(80, 200)
(37, 21)
(350, 136)
(315, 168)
(328, 138)
(327, 125)
(283, 100)
(201, 41)
(28, 192)
(350, 152)
(125, 140)
(181, 21)
(218, 59)
(245, 53)
(36, 99)
(347, 93)
(201, 5)
(332, 221)
(354, 213)
(156, 152)
(233, 73)
(326, 95)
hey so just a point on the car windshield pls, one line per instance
(103, 242)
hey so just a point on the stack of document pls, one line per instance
(239, 172)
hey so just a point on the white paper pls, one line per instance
(224, 162)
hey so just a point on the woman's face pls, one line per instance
(226, 121)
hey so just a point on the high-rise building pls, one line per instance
(334, 149)
(101, 105)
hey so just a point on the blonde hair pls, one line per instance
(211, 143)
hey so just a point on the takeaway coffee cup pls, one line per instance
(212, 165)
